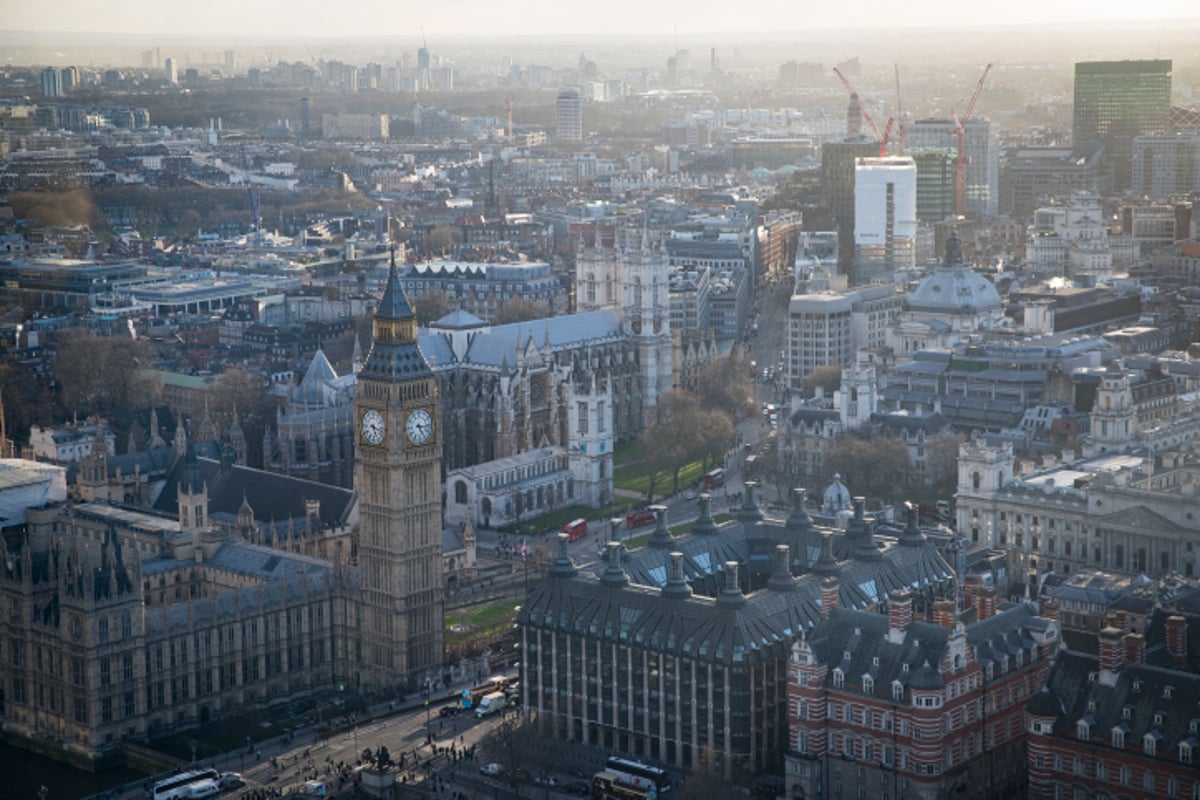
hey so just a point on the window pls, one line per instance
(105, 672)
(1150, 744)
(103, 629)
(127, 668)
(582, 411)
(1125, 776)
(868, 685)
(839, 678)
(1101, 770)
(1118, 737)
(897, 690)
(1185, 753)
(1148, 781)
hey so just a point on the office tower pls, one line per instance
(982, 172)
(70, 79)
(936, 182)
(1116, 101)
(885, 218)
(569, 116)
(854, 117)
(837, 189)
(231, 61)
(172, 70)
(51, 82)
(1166, 164)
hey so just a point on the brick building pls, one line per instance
(1125, 723)
(892, 707)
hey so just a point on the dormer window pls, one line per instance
(897, 690)
(839, 678)
(1083, 729)
(1126, 712)
(1118, 736)
(904, 667)
(1150, 744)
(1167, 691)
(875, 661)
(1185, 752)
(1158, 718)
(868, 684)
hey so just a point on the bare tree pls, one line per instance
(827, 377)
(519, 309)
(877, 467)
(430, 306)
(100, 374)
(725, 385)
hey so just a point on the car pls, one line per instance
(449, 711)
(580, 788)
(492, 770)
(231, 780)
(690, 494)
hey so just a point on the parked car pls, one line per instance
(231, 780)
(492, 770)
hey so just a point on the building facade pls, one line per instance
(885, 218)
(1117, 101)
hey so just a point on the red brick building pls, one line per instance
(1124, 724)
(889, 708)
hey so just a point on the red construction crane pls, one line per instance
(960, 126)
(866, 115)
(887, 134)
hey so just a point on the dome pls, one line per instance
(954, 288)
(837, 496)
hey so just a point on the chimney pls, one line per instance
(750, 513)
(676, 585)
(972, 585)
(944, 613)
(731, 595)
(1177, 639)
(661, 538)
(614, 574)
(704, 525)
(781, 579)
(563, 567)
(1112, 655)
(829, 595)
(1135, 648)
(899, 614)
(798, 519)
(985, 604)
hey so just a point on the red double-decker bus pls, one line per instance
(576, 529)
(714, 479)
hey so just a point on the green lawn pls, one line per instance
(485, 617)
(639, 541)
(636, 478)
(554, 520)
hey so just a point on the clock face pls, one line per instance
(372, 427)
(419, 427)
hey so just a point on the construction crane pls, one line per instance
(881, 138)
(960, 127)
(901, 125)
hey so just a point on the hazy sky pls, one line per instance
(264, 19)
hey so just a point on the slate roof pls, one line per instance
(564, 332)
(459, 320)
(271, 495)
(1146, 700)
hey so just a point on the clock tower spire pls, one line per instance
(397, 475)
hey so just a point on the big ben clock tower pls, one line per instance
(397, 475)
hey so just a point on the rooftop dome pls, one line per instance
(954, 288)
(837, 496)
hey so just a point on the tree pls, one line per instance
(827, 377)
(442, 239)
(725, 384)
(243, 393)
(878, 467)
(941, 463)
(516, 747)
(430, 306)
(101, 374)
(518, 309)
(682, 432)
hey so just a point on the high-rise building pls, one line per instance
(937, 177)
(569, 116)
(1117, 101)
(70, 79)
(981, 175)
(172, 70)
(1166, 164)
(51, 82)
(885, 217)
(397, 473)
(837, 189)
(854, 117)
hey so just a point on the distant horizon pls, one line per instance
(275, 20)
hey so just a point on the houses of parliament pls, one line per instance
(237, 588)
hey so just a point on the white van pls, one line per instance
(490, 704)
(205, 788)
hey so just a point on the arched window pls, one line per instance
(126, 625)
(976, 479)
(460, 492)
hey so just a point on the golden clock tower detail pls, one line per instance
(397, 476)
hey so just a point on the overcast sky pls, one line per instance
(264, 19)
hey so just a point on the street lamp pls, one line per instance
(428, 729)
